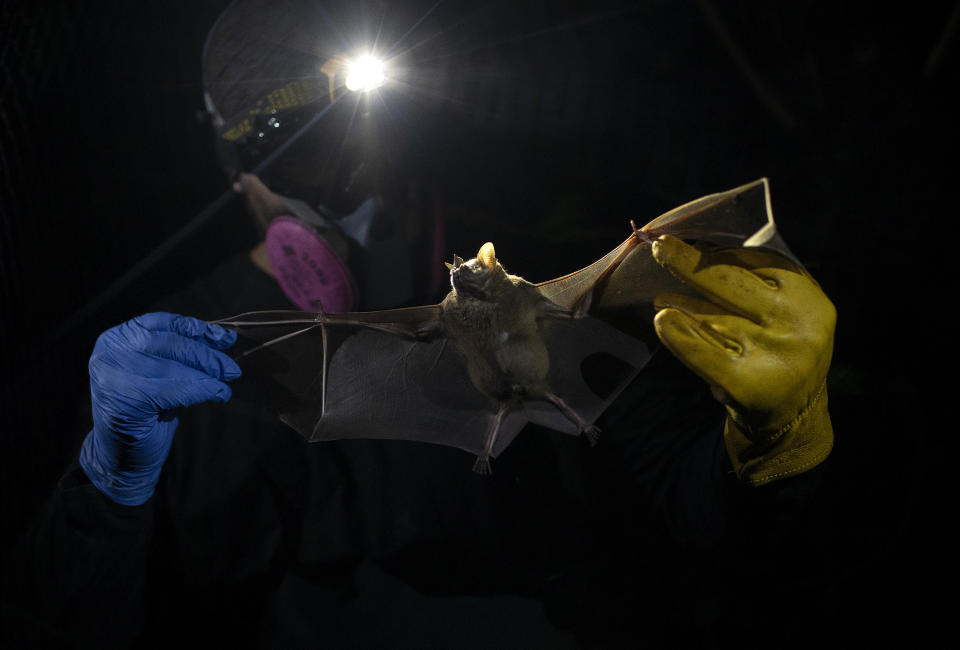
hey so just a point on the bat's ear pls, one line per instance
(450, 266)
(487, 256)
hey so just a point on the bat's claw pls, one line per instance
(640, 234)
(482, 466)
(592, 433)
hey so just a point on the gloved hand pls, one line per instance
(141, 373)
(762, 339)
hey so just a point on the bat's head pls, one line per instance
(477, 277)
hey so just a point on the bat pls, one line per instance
(496, 353)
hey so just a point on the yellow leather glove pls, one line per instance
(762, 339)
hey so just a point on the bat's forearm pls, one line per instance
(422, 331)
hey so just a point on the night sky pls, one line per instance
(615, 111)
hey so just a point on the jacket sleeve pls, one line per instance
(664, 439)
(78, 571)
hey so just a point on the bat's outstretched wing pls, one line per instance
(331, 378)
(622, 285)
(391, 374)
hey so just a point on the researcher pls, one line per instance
(191, 517)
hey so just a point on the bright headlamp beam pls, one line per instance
(365, 74)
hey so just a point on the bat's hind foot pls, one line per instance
(481, 466)
(592, 432)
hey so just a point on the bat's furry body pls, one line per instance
(494, 320)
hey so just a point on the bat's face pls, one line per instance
(473, 278)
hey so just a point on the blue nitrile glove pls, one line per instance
(141, 372)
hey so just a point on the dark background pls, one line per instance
(628, 110)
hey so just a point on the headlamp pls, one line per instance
(365, 73)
